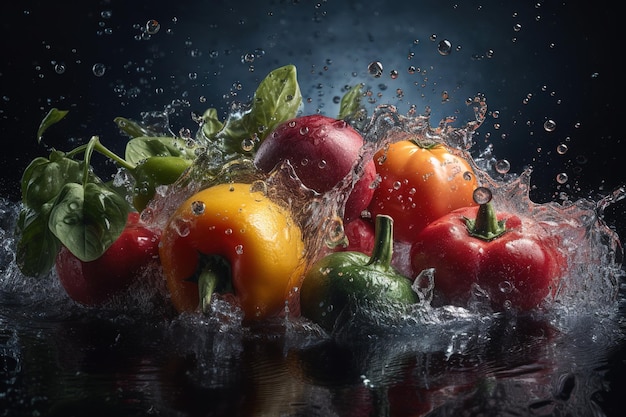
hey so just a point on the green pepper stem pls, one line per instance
(383, 241)
(486, 225)
(214, 275)
(207, 281)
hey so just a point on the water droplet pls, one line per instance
(467, 176)
(228, 231)
(517, 27)
(197, 207)
(59, 68)
(247, 145)
(505, 287)
(375, 69)
(393, 74)
(304, 130)
(239, 249)
(70, 220)
(322, 164)
(502, 166)
(482, 195)
(561, 149)
(98, 69)
(561, 178)
(549, 125)
(444, 47)
(397, 185)
(152, 26)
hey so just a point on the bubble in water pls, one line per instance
(59, 68)
(247, 145)
(505, 287)
(549, 125)
(561, 178)
(502, 166)
(561, 149)
(197, 207)
(375, 69)
(98, 69)
(482, 195)
(444, 47)
(152, 26)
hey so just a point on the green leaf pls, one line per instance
(88, 219)
(53, 116)
(43, 178)
(351, 102)
(277, 99)
(211, 123)
(142, 148)
(37, 248)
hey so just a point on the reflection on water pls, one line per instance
(149, 363)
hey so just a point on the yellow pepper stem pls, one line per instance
(214, 275)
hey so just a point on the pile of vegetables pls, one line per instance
(232, 229)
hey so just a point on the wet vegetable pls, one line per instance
(228, 238)
(360, 235)
(420, 183)
(67, 204)
(122, 264)
(322, 151)
(155, 171)
(515, 263)
(346, 283)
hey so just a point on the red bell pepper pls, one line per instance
(515, 262)
(96, 282)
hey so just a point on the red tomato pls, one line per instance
(517, 269)
(95, 282)
(420, 184)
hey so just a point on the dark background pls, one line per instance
(562, 64)
(561, 61)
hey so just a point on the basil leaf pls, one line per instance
(211, 123)
(142, 148)
(37, 248)
(43, 178)
(53, 116)
(88, 219)
(277, 99)
(351, 102)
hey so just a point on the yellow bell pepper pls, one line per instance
(229, 238)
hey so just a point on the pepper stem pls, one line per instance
(486, 225)
(383, 241)
(214, 275)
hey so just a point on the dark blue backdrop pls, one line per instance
(533, 60)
